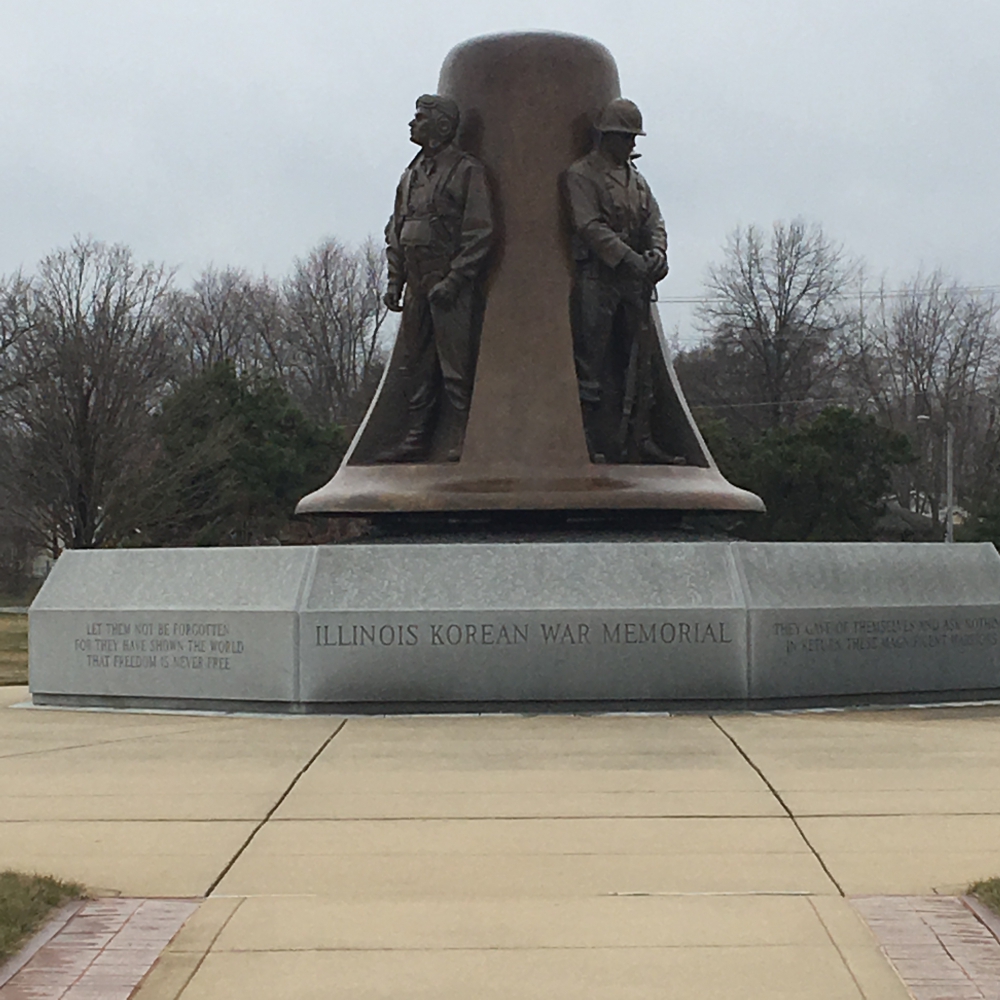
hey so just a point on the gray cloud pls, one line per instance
(242, 132)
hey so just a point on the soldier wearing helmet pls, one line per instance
(619, 247)
(437, 242)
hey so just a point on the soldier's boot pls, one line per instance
(650, 451)
(593, 433)
(413, 448)
(455, 446)
(453, 421)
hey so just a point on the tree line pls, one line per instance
(135, 412)
(832, 395)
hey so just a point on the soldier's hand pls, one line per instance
(391, 299)
(444, 293)
(657, 267)
(635, 263)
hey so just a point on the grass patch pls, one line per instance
(25, 903)
(13, 649)
(987, 892)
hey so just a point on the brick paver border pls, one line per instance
(101, 952)
(943, 947)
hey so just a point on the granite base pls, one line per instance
(517, 626)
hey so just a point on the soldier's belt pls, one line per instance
(416, 233)
(419, 267)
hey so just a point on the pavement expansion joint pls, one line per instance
(132, 738)
(274, 808)
(721, 892)
(781, 802)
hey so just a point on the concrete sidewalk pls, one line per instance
(509, 856)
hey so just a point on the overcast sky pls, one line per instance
(242, 132)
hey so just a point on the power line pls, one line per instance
(778, 402)
(896, 293)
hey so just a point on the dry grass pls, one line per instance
(25, 903)
(987, 892)
(13, 649)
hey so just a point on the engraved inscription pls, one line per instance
(358, 635)
(861, 635)
(485, 634)
(667, 633)
(159, 644)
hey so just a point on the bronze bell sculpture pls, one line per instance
(530, 371)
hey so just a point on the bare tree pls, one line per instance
(92, 345)
(774, 308)
(229, 316)
(335, 320)
(16, 364)
(18, 367)
(79, 425)
(926, 357)
(319, 332)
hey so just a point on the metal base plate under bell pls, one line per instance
(370, 489)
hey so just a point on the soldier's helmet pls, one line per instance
(621, 115)
(443, 106)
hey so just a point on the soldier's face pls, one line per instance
(618, 145)
(423, 127)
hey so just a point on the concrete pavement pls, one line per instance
(509, 856)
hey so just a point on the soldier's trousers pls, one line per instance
(596, 305)
(439, 348)
(601, 310)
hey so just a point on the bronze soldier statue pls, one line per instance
(437, 242)
(620, 251)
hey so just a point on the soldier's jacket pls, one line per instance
(443, 215)
(611, 208)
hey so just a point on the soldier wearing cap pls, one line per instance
(619, 246)
(437, 242)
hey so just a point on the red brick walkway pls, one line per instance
(940, 947)
(102, 952)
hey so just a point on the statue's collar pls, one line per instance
(429, 159)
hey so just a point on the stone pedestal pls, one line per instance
(507, 626)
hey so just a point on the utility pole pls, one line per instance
(949, 459)
(949, 517)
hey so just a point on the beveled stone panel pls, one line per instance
(866, 618)
(523, 623)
